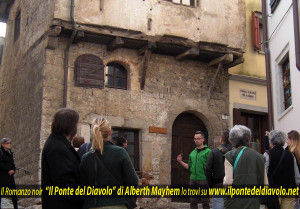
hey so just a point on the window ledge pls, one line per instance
(285, 112)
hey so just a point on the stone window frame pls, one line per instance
(286, 79)
(279, 82)
(135, 155)
(114, 76)
(181, 2)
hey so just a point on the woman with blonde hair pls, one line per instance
(106, 165)
(294, 144)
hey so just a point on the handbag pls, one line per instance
(131, 201)
(273, 201)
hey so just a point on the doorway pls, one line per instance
(183, 130)
(257, 122)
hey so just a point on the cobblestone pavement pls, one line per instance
(7, 204)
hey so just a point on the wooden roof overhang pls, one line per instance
(181, 48)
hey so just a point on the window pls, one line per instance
(17, 26)
(184, 2)
(286, 83)
(274, 4)
(89, 71)
(116, 76)
(257, 31)
(132, 137)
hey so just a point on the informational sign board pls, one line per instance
(247, 94)
(158, 130)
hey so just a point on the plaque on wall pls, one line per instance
(247, 94)
(157, 130)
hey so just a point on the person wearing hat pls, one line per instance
(7, 168)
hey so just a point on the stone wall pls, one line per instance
(171, 88)
(21, 83)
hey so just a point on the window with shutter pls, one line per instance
(257, 31)
(89, 71)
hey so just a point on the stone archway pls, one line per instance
(183, 130)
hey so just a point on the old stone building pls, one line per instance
(156, 69)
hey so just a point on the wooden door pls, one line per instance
(257, 122)
(184, 128)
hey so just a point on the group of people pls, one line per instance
(233, 163)
(103, 165)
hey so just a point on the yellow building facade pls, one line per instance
(247, 84)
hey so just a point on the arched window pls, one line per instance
(116, 76)
(89, 71)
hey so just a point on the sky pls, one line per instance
(2, 29)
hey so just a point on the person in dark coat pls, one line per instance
(7, 168)
(214, 170)
(122, 142)
(84, 148)
(281, 167)
(243, 167)
(106, 165)
(60, 162)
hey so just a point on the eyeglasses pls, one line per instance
(197, 139)
(7, 143)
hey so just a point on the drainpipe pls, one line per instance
(268, 65)
(296, 31)
(67, 50)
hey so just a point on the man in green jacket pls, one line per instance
(196, 165)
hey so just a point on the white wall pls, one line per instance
(282, 43)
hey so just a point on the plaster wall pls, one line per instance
(234, 96)
(221, 22)
(282, 44)
(254, 64)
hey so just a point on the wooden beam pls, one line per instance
(54, 31)
(116, 43)
(236, 62)
(150, 46)
(52, 42)
(213, 81)
(79, 36)
(145, 66)
(192, 52)
(224, 59)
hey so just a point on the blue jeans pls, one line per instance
(217, 203)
